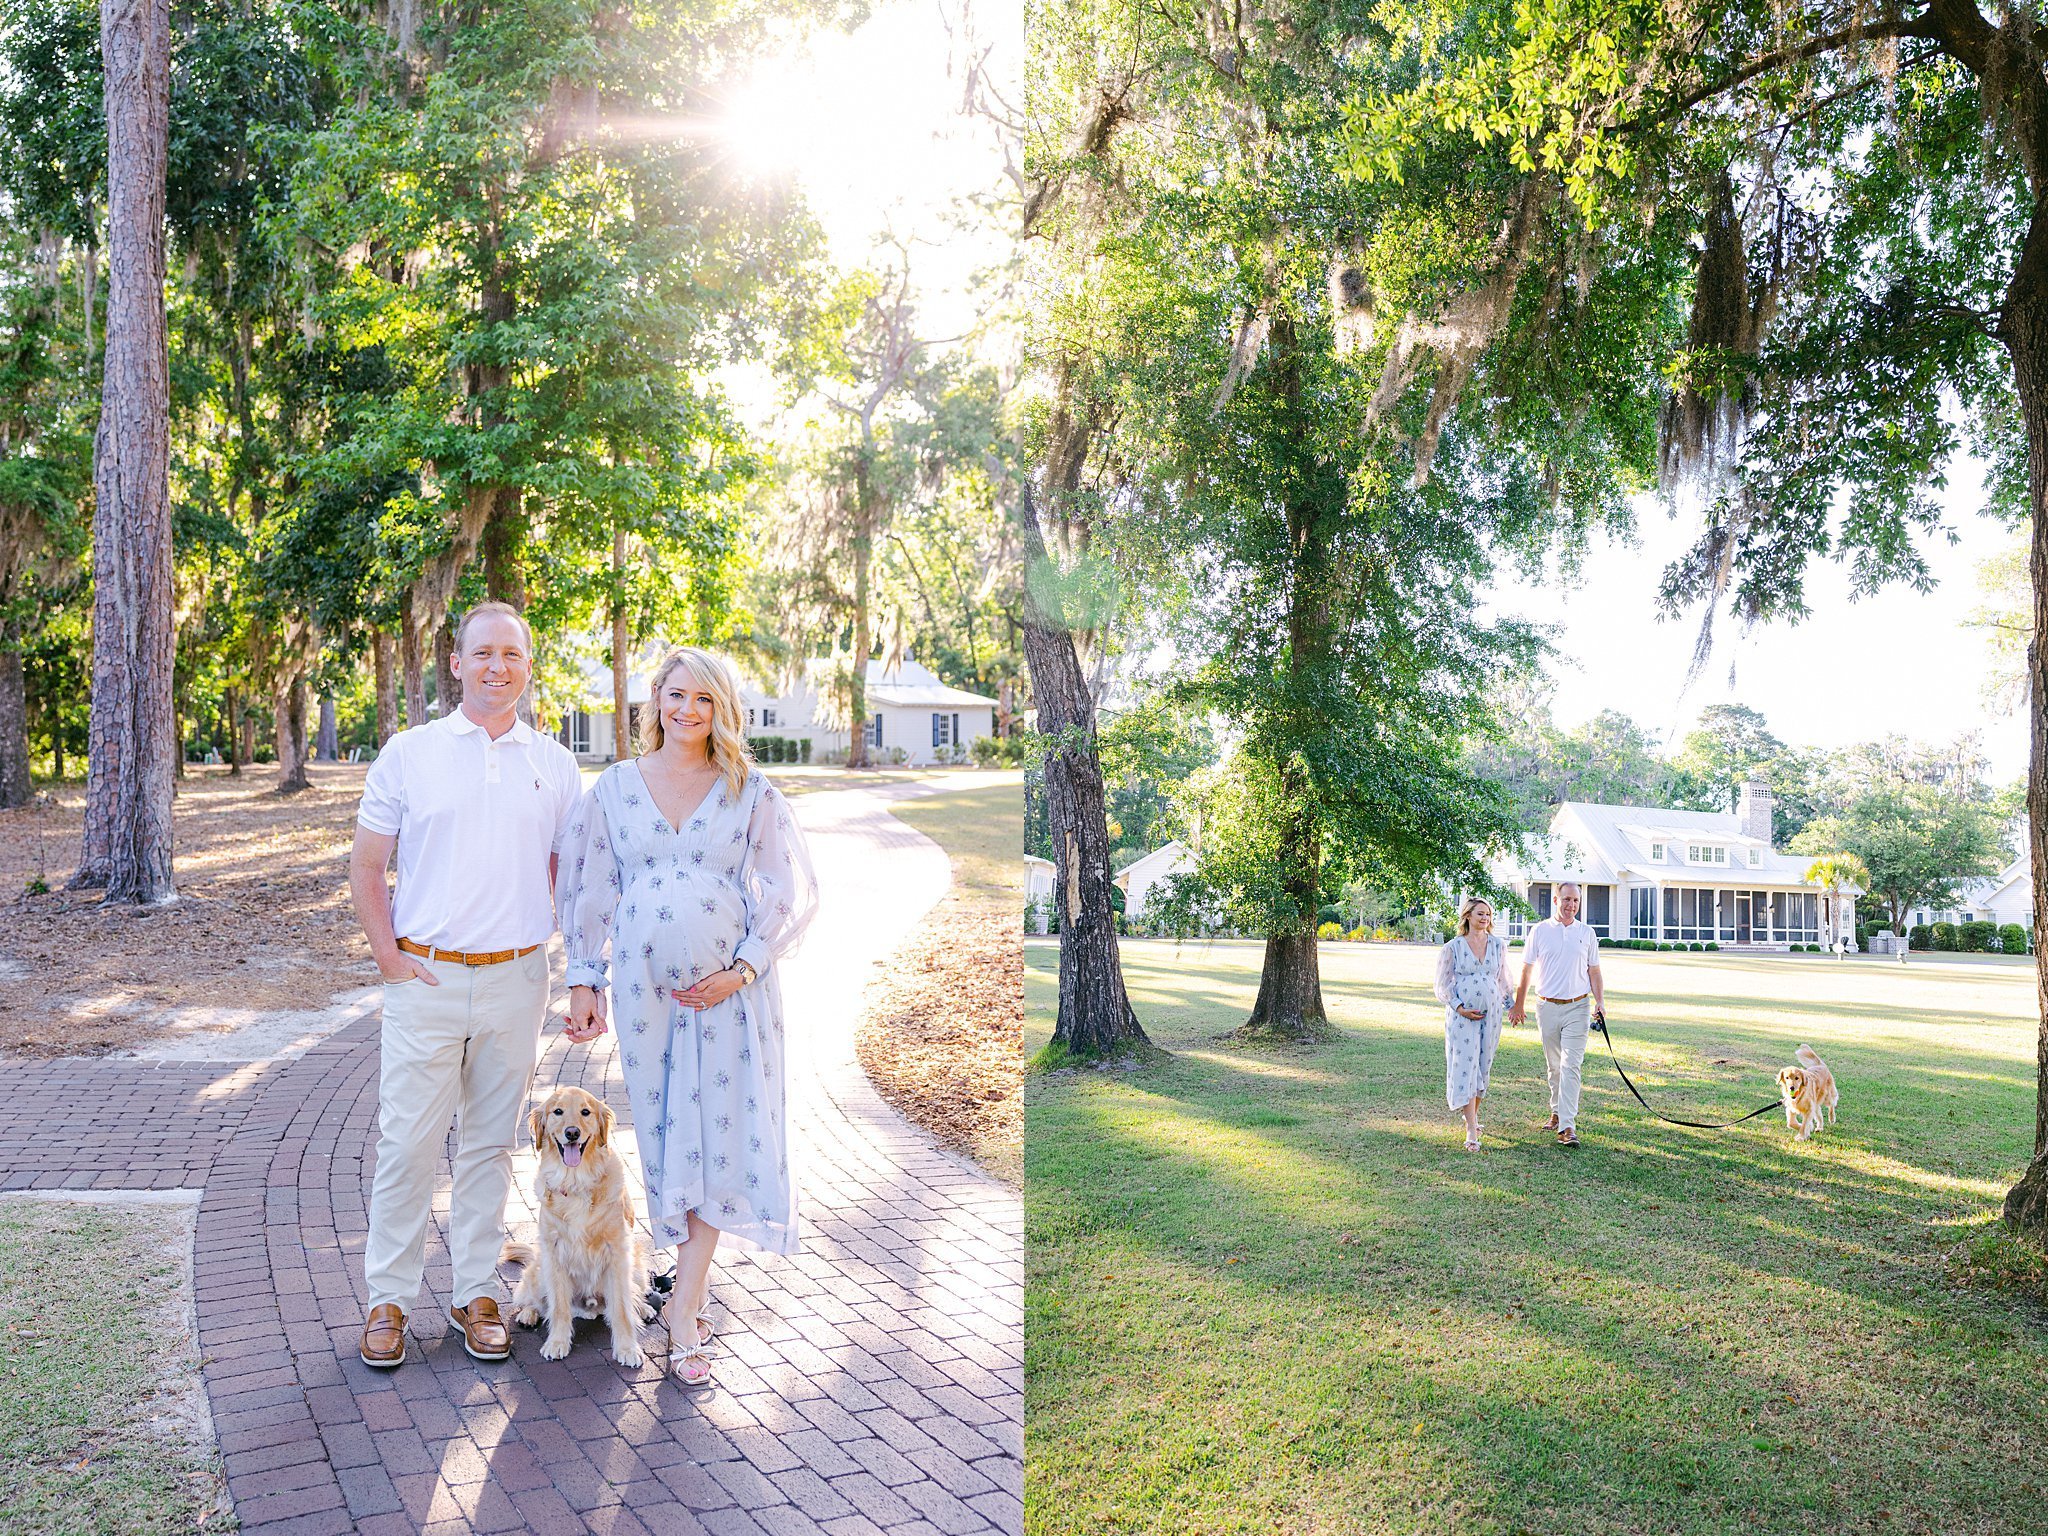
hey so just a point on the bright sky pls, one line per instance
(1818, 683)
(870, 124)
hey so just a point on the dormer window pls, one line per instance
(1656, 853)
(1756, 858)
(1706, 853)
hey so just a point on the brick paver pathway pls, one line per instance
(871, 1383)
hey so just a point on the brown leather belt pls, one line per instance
(1565, 1001)
(456, 956)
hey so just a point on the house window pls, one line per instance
(1706, 853)
(768, 717)
(1642, 913)
(873, 730)
(1656, 853)
(750, 718)
(940, 738)
(1756, 858)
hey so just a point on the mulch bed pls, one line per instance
(263, 920)
(943, 1035)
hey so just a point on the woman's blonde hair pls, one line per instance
(715, 675)
(1465, 912)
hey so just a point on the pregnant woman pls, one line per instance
(1472, 984)
(687, 865)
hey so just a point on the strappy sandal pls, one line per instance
(1472, 1142)
(691, 1365)
(707, 1330)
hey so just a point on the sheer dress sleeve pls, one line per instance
(1446, 964)
(780, 885)
(588, 879)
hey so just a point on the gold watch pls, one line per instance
(748, 975)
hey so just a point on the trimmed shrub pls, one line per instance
(1945, 937)
(1976, 938)
(1712, 945)
(1920, 936)
(2012, 939)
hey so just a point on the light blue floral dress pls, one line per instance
(674, 905)
(1479, 982)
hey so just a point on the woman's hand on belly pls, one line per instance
(711, 991)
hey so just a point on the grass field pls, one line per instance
(91, 1302)
(1269, 1292)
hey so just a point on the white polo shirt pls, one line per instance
(475, 821)
(1562, 957)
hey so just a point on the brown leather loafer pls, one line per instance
(384, 1337)
(484, 1333)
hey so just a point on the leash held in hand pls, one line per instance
(1600, 1024)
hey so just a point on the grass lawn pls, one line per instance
(942, 1030)
(1269, 1292)
(981, 830)
(90, 1298)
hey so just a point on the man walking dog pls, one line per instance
(474, 804)
(1564, 956)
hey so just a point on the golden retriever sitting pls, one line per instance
(590, 1259)
(1809, 1093)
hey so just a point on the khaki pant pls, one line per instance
(1563, 1028)
(466, 1050)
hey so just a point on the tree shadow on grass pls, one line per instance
(1674, 1329)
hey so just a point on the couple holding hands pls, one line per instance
(1562, 957)
(685, 867)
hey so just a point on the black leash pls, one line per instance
(1600, 1023)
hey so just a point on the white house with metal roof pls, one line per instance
(2006, 897)
(1678, 876)
(909, 710)
(1137, 878)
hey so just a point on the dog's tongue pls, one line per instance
(572, 1154)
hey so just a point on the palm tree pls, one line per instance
(1838, 872)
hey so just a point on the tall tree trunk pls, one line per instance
(1290, 1000)
(1095, 1014)
(863, 638)
(622, 724)
(446, 684)
(2025, 333)
(291, 734)
(127, 844)
(410, 667)
(15, 788)
(387, 685)
(327, 746)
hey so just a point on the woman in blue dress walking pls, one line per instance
(1472, 984)
(687, 865)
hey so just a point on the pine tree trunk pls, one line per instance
(291, 735)
(622, 712)
(410, 667)
(15, 787)
(1095, 1015)
(2025, 333)
(328, 746)
(863, 557)
(387, 685)
(132, 756)
(1290, 1000)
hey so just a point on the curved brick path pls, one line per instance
(871, 1383)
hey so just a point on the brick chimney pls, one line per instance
(1753, 810)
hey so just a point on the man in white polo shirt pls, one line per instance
(474, 803)
(1564, 956)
